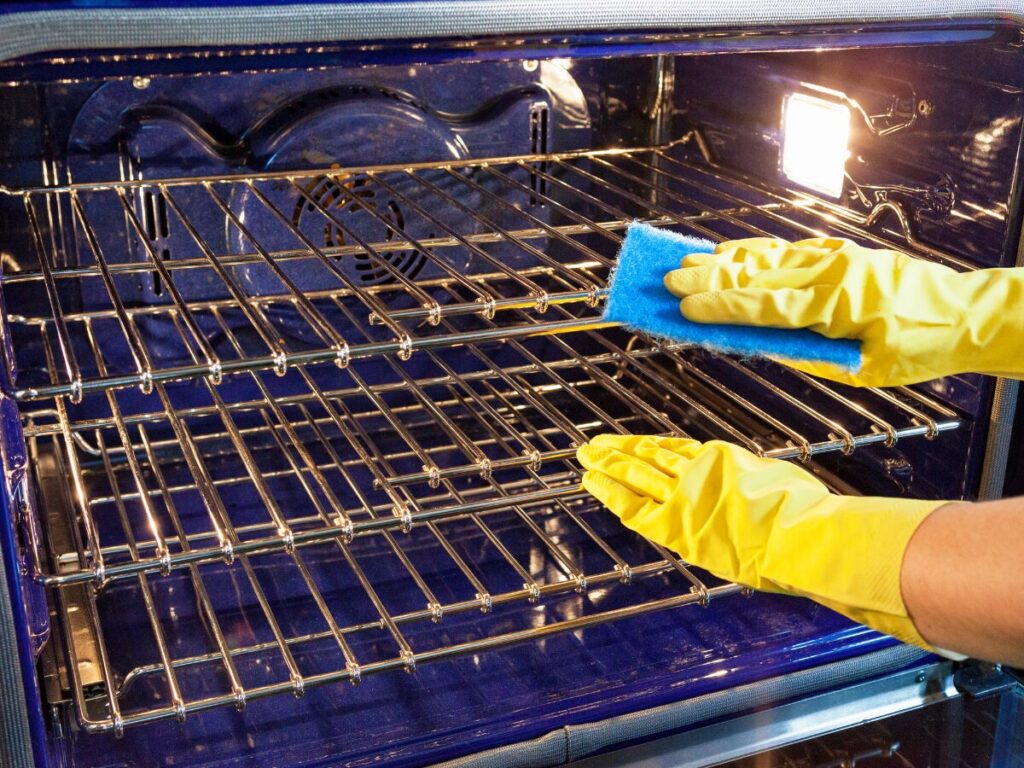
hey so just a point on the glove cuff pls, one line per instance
(852, 557)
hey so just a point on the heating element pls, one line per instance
(395, 461)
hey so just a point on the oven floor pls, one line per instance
(458, 707)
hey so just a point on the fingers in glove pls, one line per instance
(618, 498)
(769, 253)
(751, 250)
(635, 474)
(779, 308)
(697, 260)
(722, 276)
(670, 455)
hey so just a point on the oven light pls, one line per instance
(815, 142)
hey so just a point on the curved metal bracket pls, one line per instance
(892, 120)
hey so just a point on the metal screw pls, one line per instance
(925, 108)
(921, 676)
(142, 83)
(530, 65)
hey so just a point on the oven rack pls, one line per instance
(499, 248)
(322, 453)
(226, 633)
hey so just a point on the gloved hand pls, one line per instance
(764, 523)
(917, 320)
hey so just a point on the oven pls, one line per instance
(301, 327)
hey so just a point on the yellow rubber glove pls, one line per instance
(917, 320)
(763, 523)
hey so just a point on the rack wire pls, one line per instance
(365, 420)
(273, 254)
(478, 429)
(223, 634)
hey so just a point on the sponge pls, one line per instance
(638, 299)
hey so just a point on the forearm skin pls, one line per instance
(962, 579)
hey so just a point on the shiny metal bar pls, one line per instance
(804, 445)
(318, 324)
(90, 556)
(71, 606)
(372, 349)
(556, 589)
(424, 457)
(489, 301)
(591, 225)
(651, 379)
(562, 560)
(135, 343)
(607, 382)
(534, 393)
(542, 258)
(88, 424)
(182, 311)
(447, 310)
(644, 204)
(486, 473)
(71, 368)
(432, 602)
(317, 173)
(282, 646)
(226, 536)
(481, 504)
(413, 288)
(159, 636)
(501, 411)
(426, 301)
(620, 565)
(586, 251)
(650, 162)
(444, 652)
(145, 500)
(370, 300)
(338, 516)
(793, 402)
(833, 217)
(331, 251)
(378, 459)
(282, 529)
(266, 332)
(541, 402)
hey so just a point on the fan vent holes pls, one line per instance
(349, 200)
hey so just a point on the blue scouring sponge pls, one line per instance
(638, 299)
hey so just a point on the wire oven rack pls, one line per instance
(254, 425)
(259, 271)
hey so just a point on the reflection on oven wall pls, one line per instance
(936, 137)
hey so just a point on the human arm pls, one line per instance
(963, 579)
(916, 320)
(772, 525)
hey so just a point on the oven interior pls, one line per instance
(297, 358)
